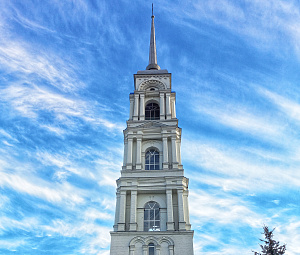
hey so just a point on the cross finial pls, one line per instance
(152, 9)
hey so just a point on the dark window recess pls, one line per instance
(152, 160)
(152, 111)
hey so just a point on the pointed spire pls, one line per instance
(152, 52)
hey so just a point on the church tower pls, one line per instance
(152, 213)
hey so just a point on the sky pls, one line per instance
(66, 71)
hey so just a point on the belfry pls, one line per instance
(152, 213)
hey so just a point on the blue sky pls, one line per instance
(66, 70)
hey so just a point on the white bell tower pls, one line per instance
(152, 213)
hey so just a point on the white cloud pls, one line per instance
(205, 207)
(239, 117)
(93, 214)
(15, 58)
(262, 24)
(290, 108)
(39, 188)
(29, 100)
(12, 245)
(100, 233)
(239, 170)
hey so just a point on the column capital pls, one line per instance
(169, 191)
(122, 192)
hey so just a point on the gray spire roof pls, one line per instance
(152, 52)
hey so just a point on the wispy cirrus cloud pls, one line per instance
(206, 207)
(40, 188)
(286, 105)
(32, 101)
(31, 65)
(239, 168)
(260, 23)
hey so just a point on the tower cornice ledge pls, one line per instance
(152, 173)
(161, 71)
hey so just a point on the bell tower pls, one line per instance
(152, 213)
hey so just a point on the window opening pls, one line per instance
(151, 217)
(152, 111)
(151, 248)
(152, 160)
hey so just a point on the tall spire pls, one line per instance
(152, 52)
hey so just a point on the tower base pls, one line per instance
(165, 242)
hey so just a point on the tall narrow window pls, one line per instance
(151, 217)
(152, 160)
(151, 248)
(152, 111)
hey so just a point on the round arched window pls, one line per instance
(152, 160)
(151, 217)
(152, 111)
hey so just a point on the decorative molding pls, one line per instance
(152, 83)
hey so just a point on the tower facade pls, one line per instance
(152, 213)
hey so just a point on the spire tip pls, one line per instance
(152, 52)
(152, 10)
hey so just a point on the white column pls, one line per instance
(133, 224)
(180, 210)
(145, 249)
(129, 154)
(162, 106)
(138, 164)
(136, 107)
(157, 248)
(186, 209)
(131, 249)
(131, 107)
(168, 106)
(125, 152)
(122, 208)
(171, 249)
(178, 152)
(174, 153)
(117, 211)
(142, 107)
(165, 152)
(173, 107)
(170, 219)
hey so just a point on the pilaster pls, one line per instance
(138, 153)
(133, 224)
(136, 107)
(165, 152)
(174, 153)
(168, 106)
(129, 153)
(131, 99)
(180, 210)
(142, 107)
(162, 105)
(122, 208)
(170, 219)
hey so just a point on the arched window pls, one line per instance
(152, 160)
(151, 217)
(151, 248)
(152, 111)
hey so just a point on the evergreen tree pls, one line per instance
(270, 246)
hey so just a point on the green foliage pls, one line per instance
(270, 246)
